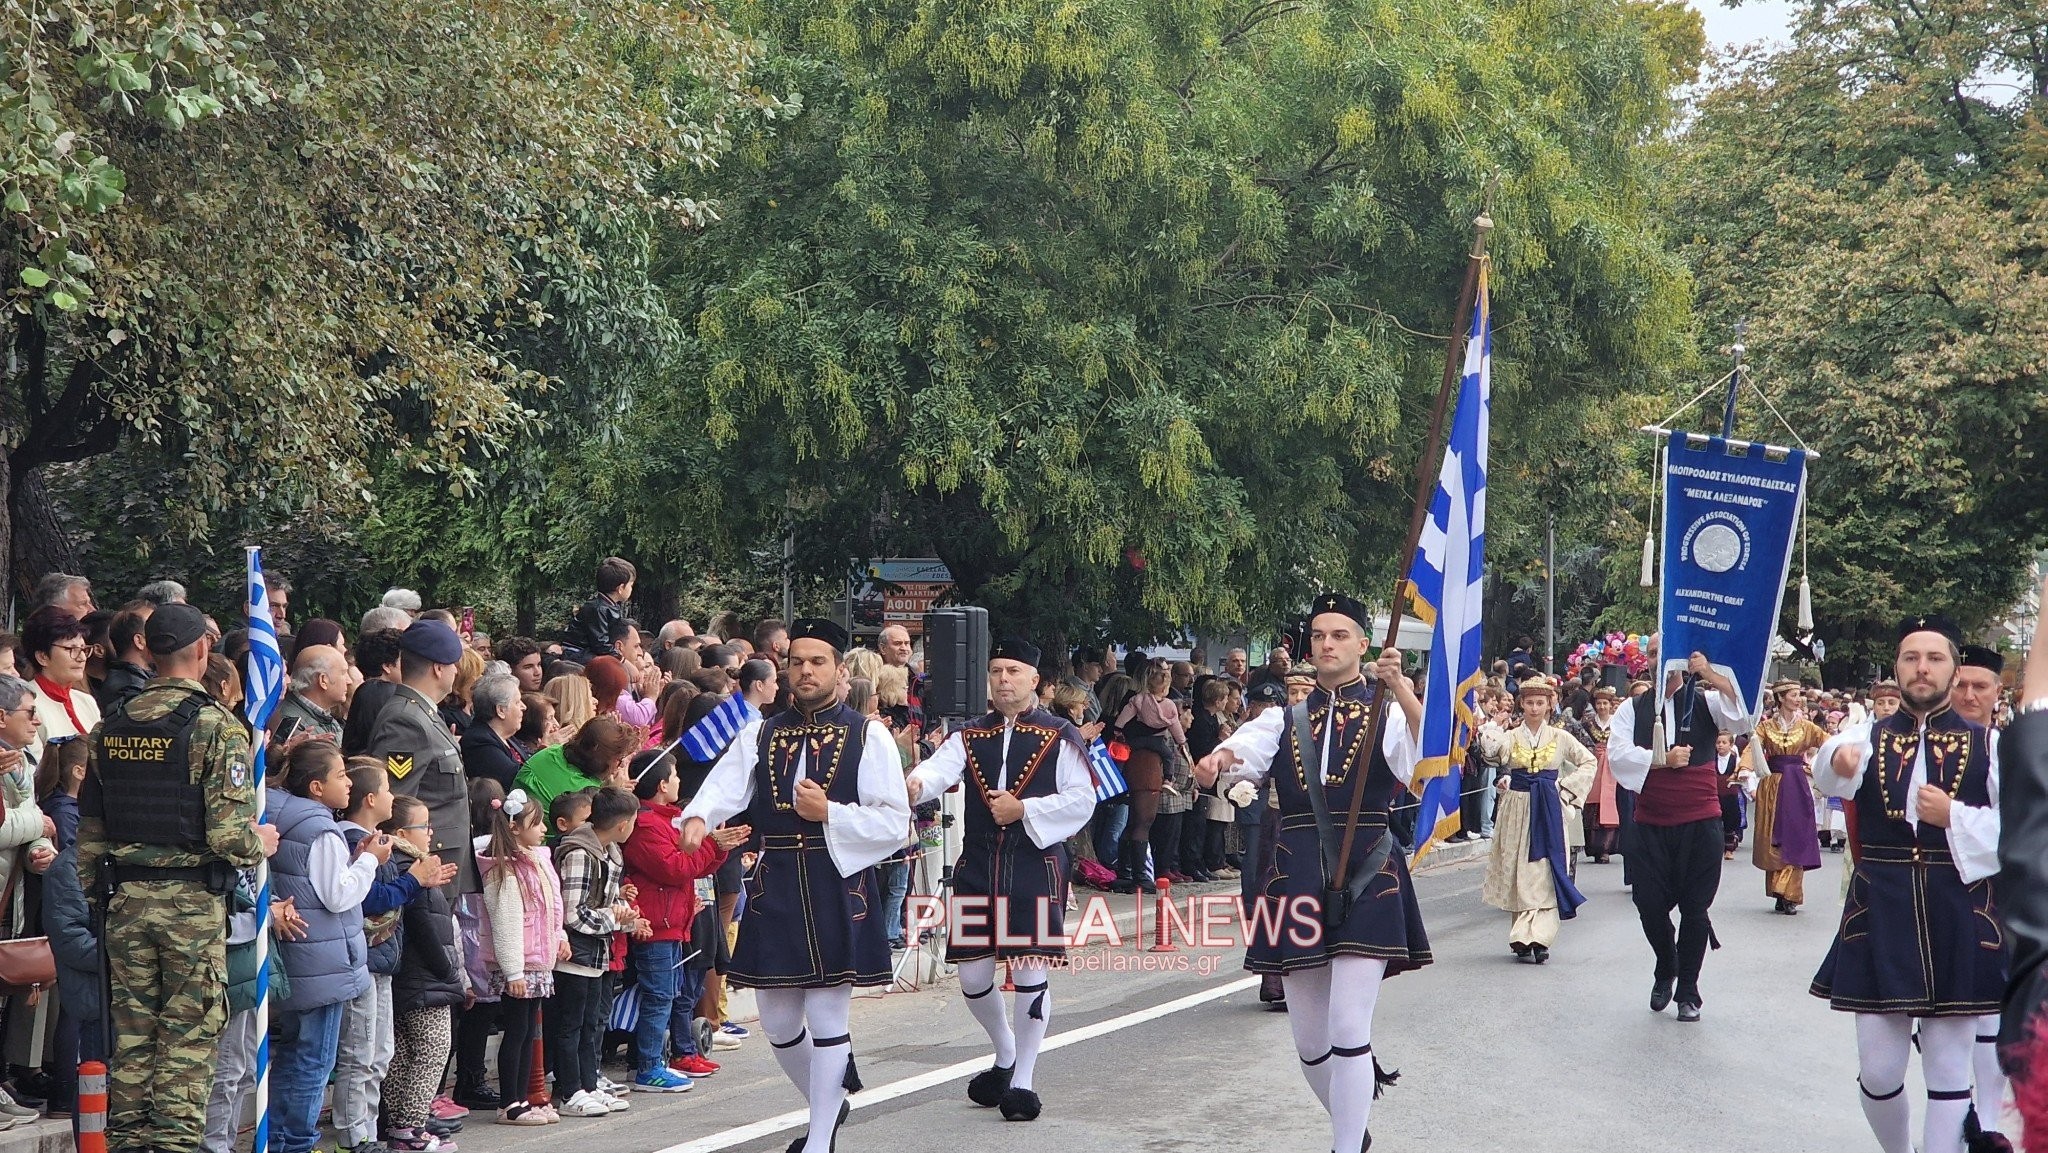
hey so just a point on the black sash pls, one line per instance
(1336, 902)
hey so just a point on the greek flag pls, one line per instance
(265, 675)
(626, 1010)
(1445, 590)
(707, 739)
(1109, 780)
(263, 678)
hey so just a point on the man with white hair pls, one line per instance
(73, 594)
(386, 617)
(672, 632)
(319, 687)
(163, 592)
(404, 600)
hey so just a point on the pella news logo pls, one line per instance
(1208, 921)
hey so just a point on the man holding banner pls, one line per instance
(1662, 749)
(1730, 508)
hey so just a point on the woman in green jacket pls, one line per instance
(597, 755)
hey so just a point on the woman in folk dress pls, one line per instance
(1787, 837)
(1536, 824)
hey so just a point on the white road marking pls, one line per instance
(894, 1089)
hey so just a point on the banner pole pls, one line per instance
(1734, 380)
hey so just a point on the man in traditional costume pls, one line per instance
(1920, 938)
(1029, 790)
(1787, 837)
(1529, 872)
(1979, 682)
(1317, 756)
(1662, 748)
(823, 787)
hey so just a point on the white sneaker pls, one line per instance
(584, 1103)
(614, 1102)
(607, 1085)
(723, 1043)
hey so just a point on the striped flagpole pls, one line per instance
(264, 688)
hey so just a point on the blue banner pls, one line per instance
(1730, 510)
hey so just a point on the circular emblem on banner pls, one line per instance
(1717, 548)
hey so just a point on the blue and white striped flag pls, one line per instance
(1109, 780)
(264, 680)
(263, 688)
(1446, 590)
(707, 739)
(626, 1010)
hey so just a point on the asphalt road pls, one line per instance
(1176, 1053)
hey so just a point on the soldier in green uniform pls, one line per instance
(420, 755)
(167, 814)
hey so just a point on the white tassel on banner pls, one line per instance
(1649, 578)
(1805, 605)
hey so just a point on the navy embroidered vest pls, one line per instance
(1033, 763)
(1295, 770)
(1958, 763)
(829, 745)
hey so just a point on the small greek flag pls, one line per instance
(707, 739)
(263, 679)
(1109, 780)
(626, 1010)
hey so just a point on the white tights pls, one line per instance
(1990, 1079)
(790, 1017)
(1330, 1010)
(1884, 1047)
(1018, 1029)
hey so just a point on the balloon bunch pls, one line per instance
(1630, 651)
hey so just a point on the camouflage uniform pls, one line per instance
(166, 940)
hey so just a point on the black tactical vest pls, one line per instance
(146, 767)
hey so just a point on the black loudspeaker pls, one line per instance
(956, 662)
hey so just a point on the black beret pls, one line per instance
(1343, 606)
(1931, 623)
(1270, 692)
(818, 629)
(1979, 657)
(1015, 649)
(173, 627)
(433, 640)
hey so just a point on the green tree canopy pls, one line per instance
(1874, 198)
(1133, 312)
(287, 245)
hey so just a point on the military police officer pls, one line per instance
(419, 753)
(167, 814)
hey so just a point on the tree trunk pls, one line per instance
(16, 588)
(38, 543)
(524, 596)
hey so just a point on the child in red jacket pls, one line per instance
(666, 878)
